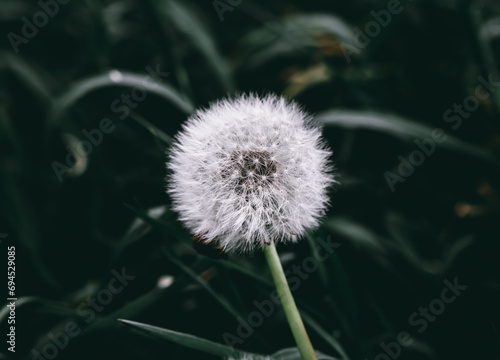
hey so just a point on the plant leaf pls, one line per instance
(294, 354)
(290, 36)
(182, 19)
(191, 341)
(29, 76)
(334, 343)
(397, 126)
(116, 78)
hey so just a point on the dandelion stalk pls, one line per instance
(291, 312)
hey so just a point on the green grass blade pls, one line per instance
(191, 28)
(225, 304)
(125, 79)
(191, 341)
(402, 128)
(29, 76)
(294, 354)
(155, 131)
(334, 343)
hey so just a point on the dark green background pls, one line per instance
(396, 248)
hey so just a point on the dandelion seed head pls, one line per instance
(248, 170)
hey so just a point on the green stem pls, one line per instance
(286, 298)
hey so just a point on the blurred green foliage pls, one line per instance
(111, 211)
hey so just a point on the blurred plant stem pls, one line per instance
(292, 313)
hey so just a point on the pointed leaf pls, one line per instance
(191, 341)
(294, 354)
(116, 78)
(185, 23)
(397, 126)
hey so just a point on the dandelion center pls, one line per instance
(247, 170)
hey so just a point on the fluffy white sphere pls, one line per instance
(248, 171)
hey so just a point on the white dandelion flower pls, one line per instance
(248, 171)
